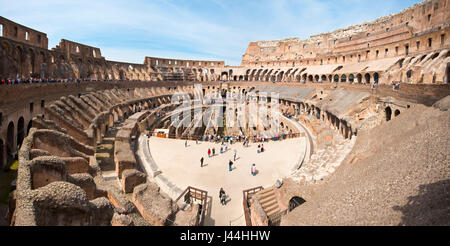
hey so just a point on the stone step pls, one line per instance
(269, 203)
(266, 194)
(273, 211)
(266, 190)
(266, 199)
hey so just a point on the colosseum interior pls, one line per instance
(362, 137)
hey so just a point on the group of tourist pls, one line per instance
(10, 81)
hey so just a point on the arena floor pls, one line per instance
(182, 166)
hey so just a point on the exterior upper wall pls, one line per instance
(19, 33)
(156, 61)
(425, 18)
(73, 48)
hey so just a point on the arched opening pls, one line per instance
(317, 78)
(397, 112)
(388, 111)
(324, 78)
(336, 78)
(409, 76)
(359, 78)
(1, 153)
(343, 78)
(295, 202)
(10, 143)
(375, 77)
(1, 30)
(447, 74)
(20, 131)
(367, 78)
(224, 76)
(351, 78)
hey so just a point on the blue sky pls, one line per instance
(189, 29)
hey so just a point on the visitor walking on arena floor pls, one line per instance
(185, 144)
(235, 153)
(230, 166)
(209, 152)
(213, 151)
(222, 196)
(201, 162)
(253, 169)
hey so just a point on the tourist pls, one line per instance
(185, 144)
(201, 162)
(253, 169)
(235, 153)
(222, 196)
(230, 166)
(209, 153)
(221, 150)
(262, 147)
(259, 149)
(226, 147)
(213, 151)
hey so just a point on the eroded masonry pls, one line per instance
(365, 109)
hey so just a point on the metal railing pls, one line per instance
(197, 194)
(246, 196)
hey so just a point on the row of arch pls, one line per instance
(15, 134)
(296, 75)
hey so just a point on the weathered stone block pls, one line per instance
(132, 178)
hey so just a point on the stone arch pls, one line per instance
(343, 78)
(324, 78)
(376, 77)
(1, 153)
(10, 143)
(336, 78)
(397, 113)
(388, 112)
(367, 78)
(295, 202)
(409, 74)
(20, 131)
(359, 78)
(351, 78)
(224, 76)
(317, 78)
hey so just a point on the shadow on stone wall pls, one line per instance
(430, 207)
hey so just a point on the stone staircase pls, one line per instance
(269, 202)
(105, 156)
(324, 161)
